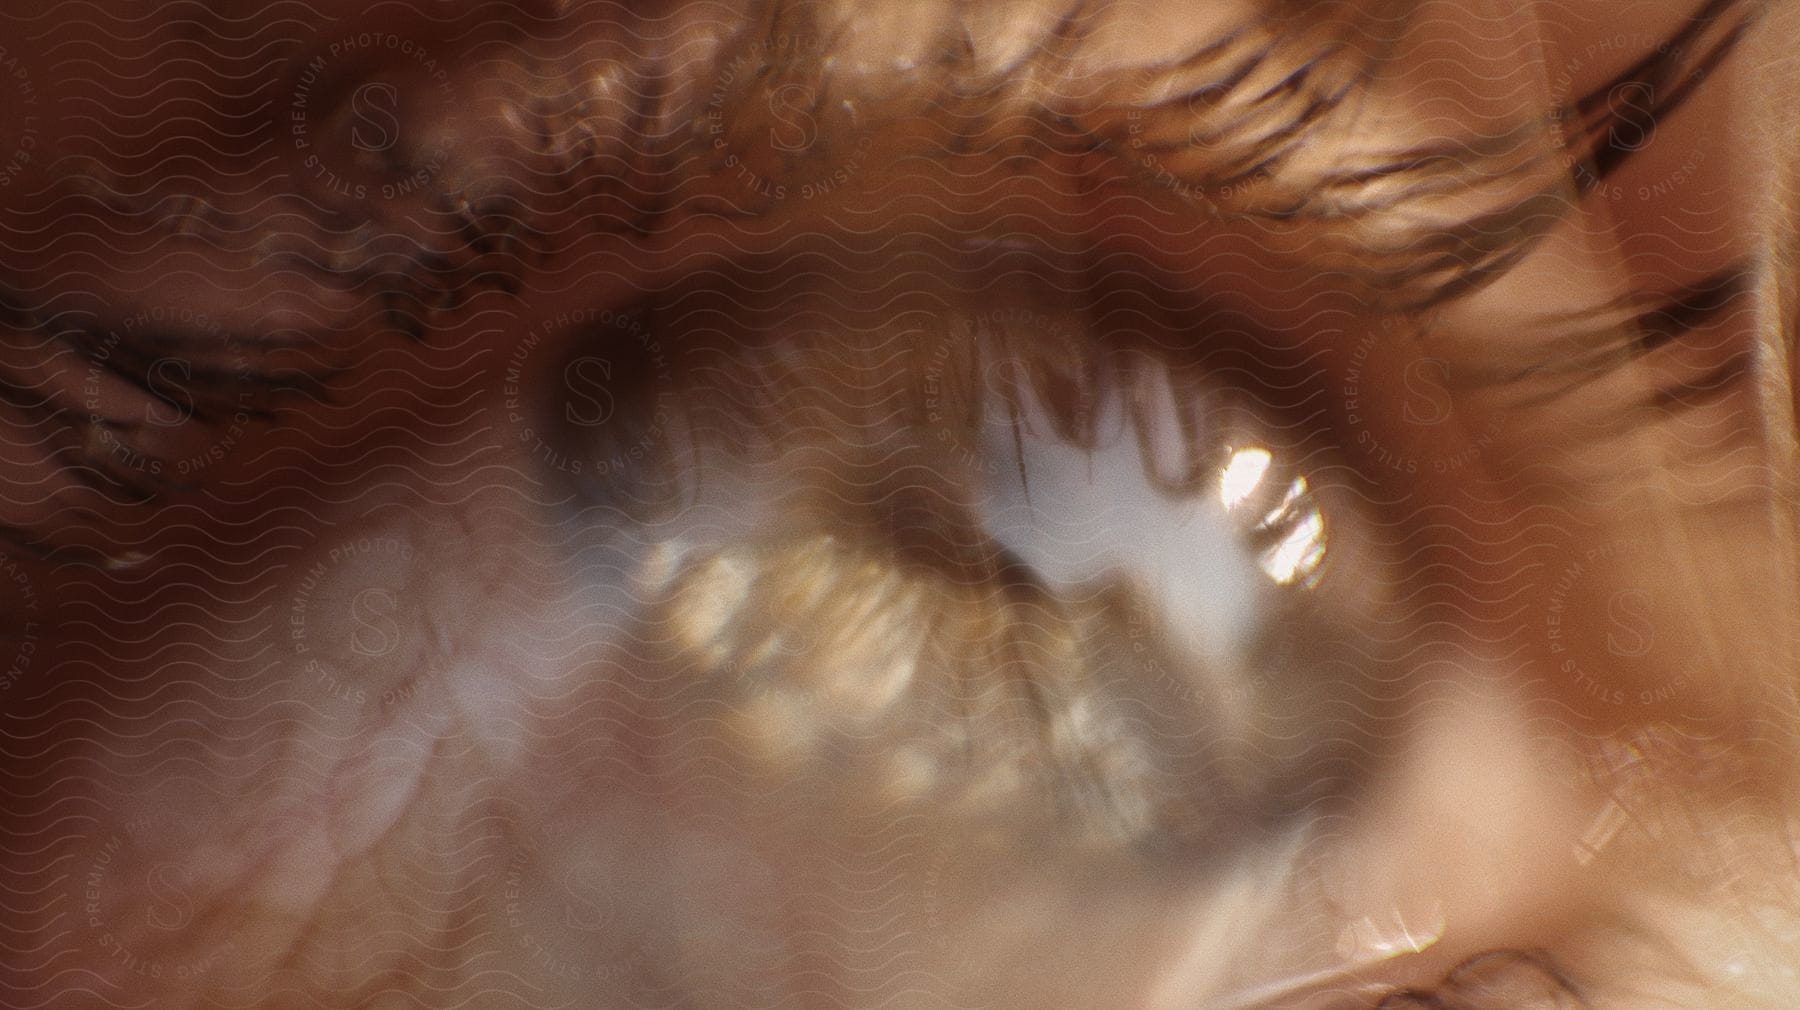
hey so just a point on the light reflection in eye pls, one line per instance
(1242, 475)
(1297, 524)
(1296, 558)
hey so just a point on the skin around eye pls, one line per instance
(446, 693)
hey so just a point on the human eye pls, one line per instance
(1254, 506)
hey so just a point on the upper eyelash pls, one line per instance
(498, 241)
(1672, 76)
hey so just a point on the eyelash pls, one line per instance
(198, 389)
(498, 240)
(1630, 328)
(1668, 65)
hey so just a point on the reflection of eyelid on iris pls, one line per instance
(1228, 348)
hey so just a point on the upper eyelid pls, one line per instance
(415, 281)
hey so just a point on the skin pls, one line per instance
(625, 600)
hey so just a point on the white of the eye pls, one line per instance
(1096, 515)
